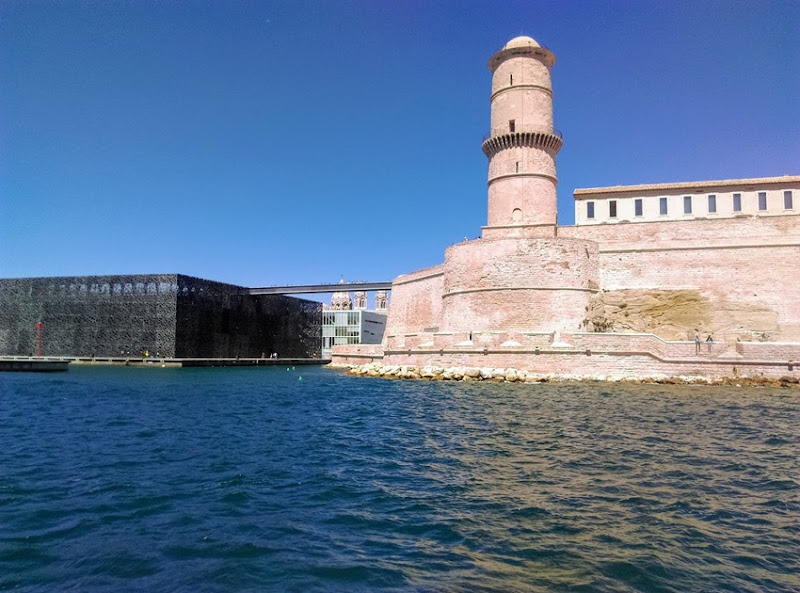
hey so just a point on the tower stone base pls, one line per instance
(518, 284)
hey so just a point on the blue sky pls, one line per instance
(287, 142)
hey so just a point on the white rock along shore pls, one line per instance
(511, 375)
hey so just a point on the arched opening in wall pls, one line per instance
(516, 215)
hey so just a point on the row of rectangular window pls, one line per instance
(663, 207)
(341, 318)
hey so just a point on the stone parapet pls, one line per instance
(707, 231)
(591, 355)
(357, 354)
(519, 231)
(769, 350)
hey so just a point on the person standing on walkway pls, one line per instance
(696, 343)
(709, 342)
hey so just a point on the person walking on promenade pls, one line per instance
(709, 342)
(696, 343)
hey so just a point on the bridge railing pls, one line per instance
(319, 288)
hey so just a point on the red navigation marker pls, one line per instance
(39, 340)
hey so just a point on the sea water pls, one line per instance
(305, 479)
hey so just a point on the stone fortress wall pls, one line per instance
(416, 303)
(616, 300)
(518, 284)
(734, 278)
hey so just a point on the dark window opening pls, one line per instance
(637, 204)
(512, 125)
(612, 209)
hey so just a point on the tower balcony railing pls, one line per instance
(521, 129)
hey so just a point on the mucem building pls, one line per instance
(162, 315)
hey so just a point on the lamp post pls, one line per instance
(39, 340)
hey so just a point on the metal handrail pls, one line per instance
(318, 288)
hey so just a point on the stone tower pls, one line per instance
(381, 300)
(521, 276)
(341, 301)
(522, 144)
(360, 300)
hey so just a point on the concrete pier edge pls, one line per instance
(151, 362)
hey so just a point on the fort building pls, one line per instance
(771, 196)
(623, 292)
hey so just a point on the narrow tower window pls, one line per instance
(762, 200)
(662, 206)
(687, 204)
(589, 209)
(517, 166)
(737, 202)
(512, 126)
(637, 206)
(787, 200)
(510, 79)
(612, 209)
(712, 203)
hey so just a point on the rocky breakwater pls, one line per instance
(511, 375)
(434, 373)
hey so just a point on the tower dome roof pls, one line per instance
(519, 47)
(341, 301)
(521, 41)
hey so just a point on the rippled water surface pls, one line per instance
(121, 479)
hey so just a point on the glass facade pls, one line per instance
(340, 327)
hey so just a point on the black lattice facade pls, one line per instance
(163, 315)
